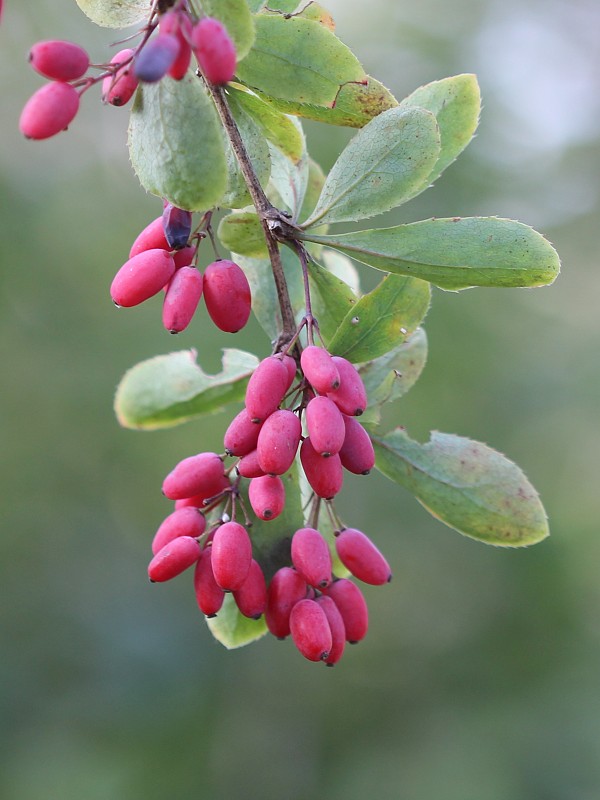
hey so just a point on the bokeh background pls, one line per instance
(479, 679)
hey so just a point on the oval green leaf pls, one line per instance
(332, 299)
(387, 163)
(467, 485)
(175, 143)
(455, 253)
(238, 20)
(382, 319)
(168, 390)
(115, 13)
(241, 232)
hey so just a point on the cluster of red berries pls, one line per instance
(162, 257)
(304, 598)
(52, 108)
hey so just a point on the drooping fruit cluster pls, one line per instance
(310, 411)
(163, 257)
(179, 35)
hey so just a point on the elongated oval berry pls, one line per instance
(325, 424)
(59, 60)
(360, 556)
(278, 441)
(151, 238)
(142, 277)
(267, 496)
(173, 559)
(198, 500)
(352, 606)
(214, 50)
(201, 474)
(325, 475)
(311, 557)
(119, 88)
(181, 26)
(287, 587)
(266, 388)
(292, 367)
(231, 555)
(242, 435)
(310, 630)
(227, 295)
(49, 110)
(319, 369)
(338, 631)
(177, 224)
(156, 58)
(351, 396)
(251, 597)
(248, 466)
(357, 454)
(209, 594)
(182, 522)
(181, 299)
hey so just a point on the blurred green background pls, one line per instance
(479, 679)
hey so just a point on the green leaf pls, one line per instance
(332, 299)
(299, 60)
(382, 319)
(392, 375)
(454, 253)
(310, 10)
(175, 143)
(288, 180)
(167, 390)
(238, 20)
(456, 104)
(256, 5)
(467, 485)
(356, 104)
(232, 629)
(343, 268)
(314, 187)
(384, 165)
(115, 13)
(241, 232)
(276, 127)
(237, 194)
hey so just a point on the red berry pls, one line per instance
(197, 500)
(267, 496)
(319, 369)
(278, 441)
(360, 556)
(119, 88)
(214, 50)
(325, 475)
(181, 299)
(151, 238)
(180, 25)
(177, 224)
(292, 367)
(174, 558)
(231, 555)
(351, 396)
(185, 257)
(182, 522)
(325, 425)
(49, 110)
(227, 295)
(141, 277)
(242, 435)
(209, 594)
(352, 606)
(156, 58)
(287, 587)
(357, 453)
(310, 630)
(251, 597)
(311, 557)
(58, 60)
(201, 474)
(267, 387)
(248, 466)
(338, 631)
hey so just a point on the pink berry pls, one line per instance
(119, 88)
(352, 606)
(201, 474)
(209, 594)
(198, 500)
(185, 257)
(338, 631)
(180, 25)
(266, 388)
(249, 467)
(310, 630)
(183, 522)
(287, 587)
(325, 475)
(49, 110)
(227, 295)
(311, 557)
(351, 396)
(251, 597)
(360, 556)
(181, 299)
(292, 367)
(173, 559)
(242, 435)
(267, 496)
(151, 238)
(357, 453)
(141, 277)
(231, 555)
(325, 425)
(156, 58)
(278, 441)
(214, 50)
(58, 60)
(319, 369)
